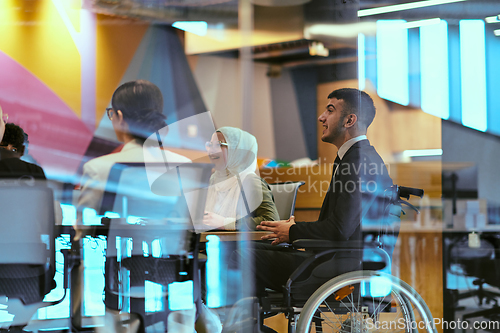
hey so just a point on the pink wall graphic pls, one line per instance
(58, 138)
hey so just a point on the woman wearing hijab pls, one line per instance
(234, 154)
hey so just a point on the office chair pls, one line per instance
(489, 274)
(27, 257)
(285, 195)
(481, 263)
(152, 243)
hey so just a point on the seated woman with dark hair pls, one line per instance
(12, 147)
(136, 113)
(14, 139)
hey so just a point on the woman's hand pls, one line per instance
(213, 220)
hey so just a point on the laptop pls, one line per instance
(156, 192)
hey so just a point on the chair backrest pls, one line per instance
(285, 195)
(27, 255)
(472, 261)
(163, 204)
(27, 222)
(382, 219)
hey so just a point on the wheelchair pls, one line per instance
(363, 301)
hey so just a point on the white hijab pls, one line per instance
(224, 190)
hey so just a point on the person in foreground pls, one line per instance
(3, 118)
(136, 112)
(234, 154)
(15, 170)
(11, 150)
(358, 175)
(14, 139)
(32, 281)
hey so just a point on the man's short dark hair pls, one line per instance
(356, 102)
(15, 136)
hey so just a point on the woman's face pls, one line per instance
(217, 152)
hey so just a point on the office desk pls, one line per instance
(80, 290)
(101, 230)
(233, 236)
(76, 293)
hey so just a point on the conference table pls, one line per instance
(102, 230)
(233, 236)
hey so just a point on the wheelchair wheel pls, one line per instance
(365, 302)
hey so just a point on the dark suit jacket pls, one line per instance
(13, 168)
(353, 189)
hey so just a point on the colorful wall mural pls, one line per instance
(59, 65)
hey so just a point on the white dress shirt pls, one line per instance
(348, 144)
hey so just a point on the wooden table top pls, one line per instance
(232, 236)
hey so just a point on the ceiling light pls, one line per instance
(196, 27)
(473, 74)
(496, 32)
(319, 49)
(279, 3)
(352, 30)
(492, 19)
(421, 23)
(422, 152)
(404, 6)
(361, 62)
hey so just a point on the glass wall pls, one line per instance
(242, 85)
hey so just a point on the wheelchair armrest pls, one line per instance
(312, 243)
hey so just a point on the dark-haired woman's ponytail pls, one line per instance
(148, 123)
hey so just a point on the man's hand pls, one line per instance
(279, 229)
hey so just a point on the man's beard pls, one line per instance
(332, 135)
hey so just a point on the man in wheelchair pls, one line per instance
(359, 177)
(324, 276)
(356, 193)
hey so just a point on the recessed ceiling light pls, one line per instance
(422, 152)
(492, 19)
(404, 6)
(421, 23)
(279, 3)
(196, 27)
